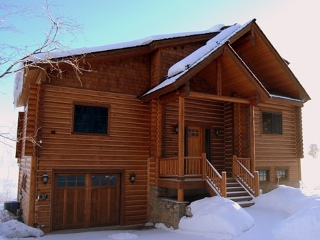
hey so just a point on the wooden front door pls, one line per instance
(86, 200)
(194, 141)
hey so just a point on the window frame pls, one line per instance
(267, 175)
(273, 116)
(107, 107)
(286, 172)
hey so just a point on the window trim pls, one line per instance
(267, 174)
(107, 106)
(286, 170)
(262, 123)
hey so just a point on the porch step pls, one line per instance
(238, 194)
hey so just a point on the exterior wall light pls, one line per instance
(42, 196)
(45, 178)
(176, 129)
(216, 132)
(132, 177)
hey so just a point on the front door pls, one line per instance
(194, 141)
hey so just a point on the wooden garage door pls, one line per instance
(86, 200)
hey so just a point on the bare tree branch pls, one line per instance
(43, 54)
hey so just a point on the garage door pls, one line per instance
(86, 200)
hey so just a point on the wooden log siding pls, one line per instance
(124, 147)
(28, 162)
(171, 55)
(226, 164)
(209, 114)
(279, 151)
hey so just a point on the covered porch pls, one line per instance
(201, 141)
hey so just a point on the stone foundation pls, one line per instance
(165, 210)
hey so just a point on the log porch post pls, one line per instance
(181, 146)
(252, 140)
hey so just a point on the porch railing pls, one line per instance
(168, 167)
(195, 167)
(241, 172)
(217, 182)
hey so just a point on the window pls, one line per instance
(71, 181)
(104, 180)
(281, 174)
(271, 123)
(263, 175)
(89, 119)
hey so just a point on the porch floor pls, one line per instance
(185, 183)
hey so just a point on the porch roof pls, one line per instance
(183, 70)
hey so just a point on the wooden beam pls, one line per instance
(259, 33)
(219, 78)
(181, 137)
(247, 72)
(181, 146)
(252, 139)
(205, 96)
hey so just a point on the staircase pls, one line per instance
(237, 193)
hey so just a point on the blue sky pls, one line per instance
(290, 25)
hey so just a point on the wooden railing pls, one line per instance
(168, 167)
(214, 179)
(195, 167)
(241, 172)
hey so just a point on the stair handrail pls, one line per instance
(242, 174)
(216, 180)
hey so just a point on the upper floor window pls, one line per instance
(271, 123)
(90, 119)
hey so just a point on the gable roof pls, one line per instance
(130, 44)
(178, 74)
(181, 71)
(148, 44)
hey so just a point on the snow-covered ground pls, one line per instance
(283, 214)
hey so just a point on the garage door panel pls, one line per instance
(104, 198)
(100, 193)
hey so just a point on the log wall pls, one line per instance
(208, 114)
(281, 151)
(125, 147)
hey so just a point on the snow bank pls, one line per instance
(302, 225)
(304, 222)
(6, 216)
(286, 199)
(123, 236)
(16, 229)
(217, 216)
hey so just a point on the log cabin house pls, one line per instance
(155, 124)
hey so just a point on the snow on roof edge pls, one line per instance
(181, 67)
(287, 98)
(134, 43)
(18, 85)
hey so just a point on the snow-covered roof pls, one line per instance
(187, 63)
(117, 46)
(42, 57)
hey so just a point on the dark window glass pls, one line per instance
(113, 181)
(89, 119)
(281, 174)
(263, 175)
(272, 123)
(71, 181)
(103, 180)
